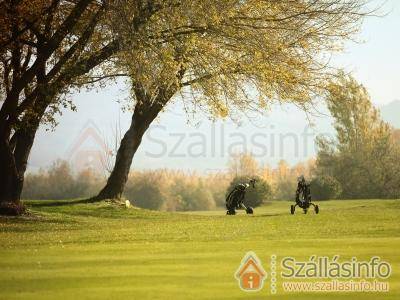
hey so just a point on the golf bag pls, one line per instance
(303, 197)
(235, 199)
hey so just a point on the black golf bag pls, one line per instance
(235, 199)
(303, 198)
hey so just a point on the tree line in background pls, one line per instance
(173, 190)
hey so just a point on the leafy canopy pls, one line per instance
(236, 55)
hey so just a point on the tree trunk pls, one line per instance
(14, 154)
(13, 165)
(144, 114)
(9, 178)
(22, 150)
(8, 171)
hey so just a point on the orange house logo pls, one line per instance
(251, 274)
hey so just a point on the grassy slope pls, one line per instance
(100, 251)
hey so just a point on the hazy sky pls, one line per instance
(171, 142)
(376, 62)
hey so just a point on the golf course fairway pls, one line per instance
(64, 250)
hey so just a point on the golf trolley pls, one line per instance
(235, 198)
(303, 199)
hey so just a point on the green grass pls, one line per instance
(101, 251)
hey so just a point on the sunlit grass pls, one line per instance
(103, 251)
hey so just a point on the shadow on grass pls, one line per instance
(264, 215)
(53, 203)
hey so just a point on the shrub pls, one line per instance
(286, 189)
(200, 198)
(192, 194)
(324, 188)
(146, 190)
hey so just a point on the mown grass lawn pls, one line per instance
(102, 251)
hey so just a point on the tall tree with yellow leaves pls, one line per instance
(228, 57)
(364, 157)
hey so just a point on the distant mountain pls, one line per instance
(391, 113)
